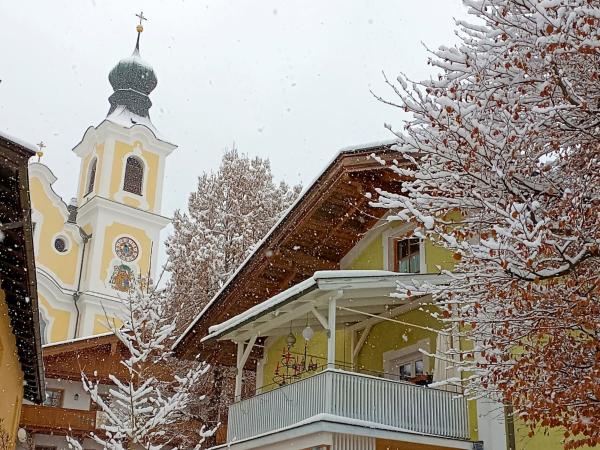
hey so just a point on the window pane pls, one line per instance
(407, 256)
(405, 371)
(415, 263)
(419, 367)
(53, 398)
(403, 268)
(92, 177)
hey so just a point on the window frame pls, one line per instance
(62, 397)
(396, 250)
(67, 241)
(407, 355)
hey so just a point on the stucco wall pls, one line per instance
(11, 376)
(317, 347)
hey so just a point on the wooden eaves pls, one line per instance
(331, 216)
(17, 263)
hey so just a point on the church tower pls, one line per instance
(111, 230)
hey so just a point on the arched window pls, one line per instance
(92, 176)
(134, 175)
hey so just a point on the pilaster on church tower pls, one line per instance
(110, 233)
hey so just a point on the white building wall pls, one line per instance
(74, 396)
(490, 424)
(352, 442)
(59, 442)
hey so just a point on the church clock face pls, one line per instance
(126, 249)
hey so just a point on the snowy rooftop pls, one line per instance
(17, 141)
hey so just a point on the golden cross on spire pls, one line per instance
(40, 152)
(140, 16)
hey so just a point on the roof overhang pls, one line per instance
(362, 297)
(17, 262)
(316, 232)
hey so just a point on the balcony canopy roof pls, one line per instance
(363, 297)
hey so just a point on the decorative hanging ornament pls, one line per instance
(290, 340)
(308, 333)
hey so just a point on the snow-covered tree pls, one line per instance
(149, 406)
(502, 158)
(230, 211)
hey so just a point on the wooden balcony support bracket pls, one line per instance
(322, 320)
(359, 345)
(243, 352)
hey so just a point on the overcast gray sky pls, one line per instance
(288, 80)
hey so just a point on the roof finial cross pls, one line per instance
(139, 29)
(40, 152)
(142, 18)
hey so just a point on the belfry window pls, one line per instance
(92, 176)
(134, 176)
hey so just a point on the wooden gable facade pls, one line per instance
(328, 220)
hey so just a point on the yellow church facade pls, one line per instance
(90, 250)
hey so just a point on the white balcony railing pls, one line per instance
(352, 396)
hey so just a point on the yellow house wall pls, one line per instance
(63, 265)
(11, 376)
(60, 320)
(150, 174)
(140, 236)
(317, 348)
(543, 439)
(371, 258)
(388, 336)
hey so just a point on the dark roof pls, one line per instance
(330, 217)
(17, 264)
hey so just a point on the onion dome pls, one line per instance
(132, 80)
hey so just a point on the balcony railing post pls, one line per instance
(329, 399)
(239, 372)
(331, 333)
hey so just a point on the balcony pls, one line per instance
(354, 398)
(39, 418)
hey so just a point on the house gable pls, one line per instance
(326, 222)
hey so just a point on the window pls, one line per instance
(92, 176)
(60, 245)
(134, 176)
(53, 397)
(408, 368)
(407, 256)
(408, 363)
(43, 329)
(411, 369)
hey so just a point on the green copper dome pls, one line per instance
(133, 73)
(132, 80)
